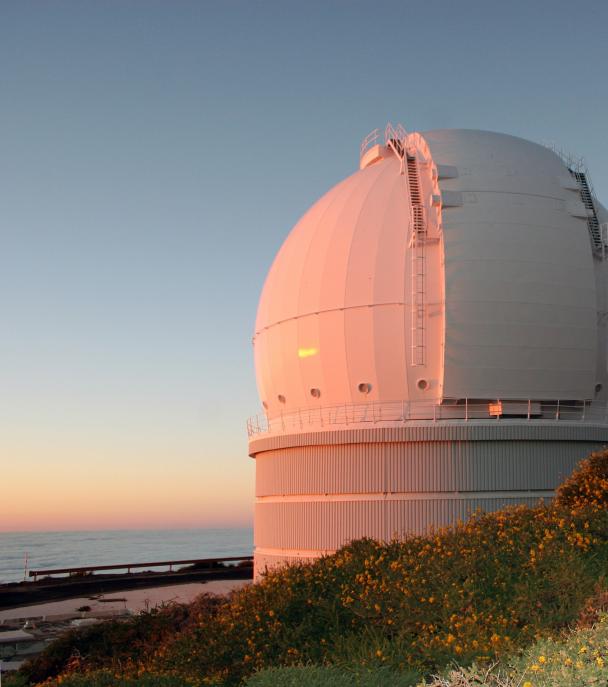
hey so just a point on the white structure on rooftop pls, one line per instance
(431, 339)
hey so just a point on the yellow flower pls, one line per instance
(527, 684)
(542, 659)
(600, 661)
(535, 667)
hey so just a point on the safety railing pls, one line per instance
(372, 139)
(590, 412)
(394, 136)
(169, 565)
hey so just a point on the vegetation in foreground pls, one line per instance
(473, 593)
(578, 658)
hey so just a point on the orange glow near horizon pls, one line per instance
(123, 483)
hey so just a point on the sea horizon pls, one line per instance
(48, 549)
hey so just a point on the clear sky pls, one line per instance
(154, 155)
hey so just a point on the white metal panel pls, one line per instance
(513, 258)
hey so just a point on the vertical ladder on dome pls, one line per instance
(396, 139)
(418, 263)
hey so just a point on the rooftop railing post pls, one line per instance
(557, 410)
(584, 408)
(466, 409)
(529, 408)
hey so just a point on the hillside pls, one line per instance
(478, 592)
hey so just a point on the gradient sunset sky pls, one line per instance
(153, 157)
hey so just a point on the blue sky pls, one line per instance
(153, 157)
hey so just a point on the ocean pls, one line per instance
(47, 550)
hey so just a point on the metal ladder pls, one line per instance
(395, 138)
(418, 263)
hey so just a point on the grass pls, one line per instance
(331, 676)
(477, 592)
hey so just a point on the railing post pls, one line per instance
(403, 410)
(584, 408)
(529, 408)
(557, 410)
(434, 412)
(466, 409)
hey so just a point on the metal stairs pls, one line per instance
(587, 198)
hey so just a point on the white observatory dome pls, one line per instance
(442, 312)
(507, 285)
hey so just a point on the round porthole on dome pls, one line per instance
(598, 388)
(364, 387)
(281, 398)
(315, 393)
(423, 384)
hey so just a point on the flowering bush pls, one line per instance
(474, 592)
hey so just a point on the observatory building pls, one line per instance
(430, 340)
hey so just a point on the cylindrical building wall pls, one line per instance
(317, 491)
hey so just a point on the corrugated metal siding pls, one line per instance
(470, 431)
(352, 468)
(330, 525)
(316, 525)
(417, 517)
(417, 466)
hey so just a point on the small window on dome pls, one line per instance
(281, 398)
(364, 387)
(422, 384)
(315, 393)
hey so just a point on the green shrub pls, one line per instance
(331, 676)
(578, 658)
(120, 642)
(474, 592)
(106, 678)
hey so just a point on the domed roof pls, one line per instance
(495, 297)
